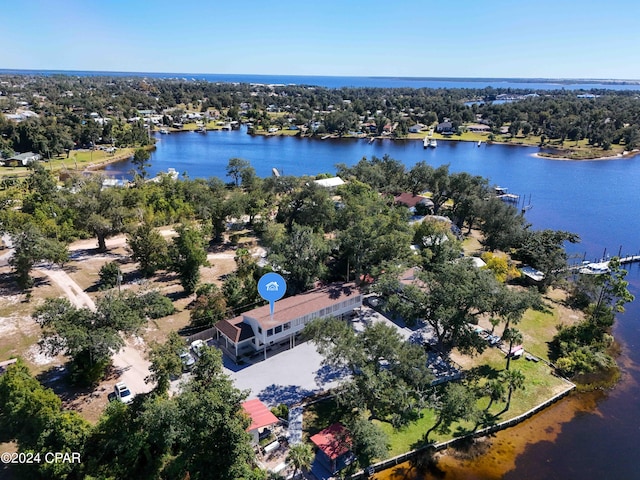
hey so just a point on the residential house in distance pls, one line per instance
(446, 128)
(478, 127)
(20, 115)
(22, 159)
(257, 331)
(412, 201)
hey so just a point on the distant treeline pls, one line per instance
(65, 104)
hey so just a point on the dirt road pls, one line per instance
(130, 362)
(71, 289)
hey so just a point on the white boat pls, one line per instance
(479, 142)
(164, 131)
(425, 142)
(433, 143)
(596, 268)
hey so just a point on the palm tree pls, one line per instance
(514, 380)
(495, 389)
(301, 457)
(514, 337)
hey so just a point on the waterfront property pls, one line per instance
(22, 159)
(412, 201)
(258, 330)
(334, 448)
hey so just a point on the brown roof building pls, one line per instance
(411, 200)
(258, 330)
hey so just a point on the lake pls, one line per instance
(597, 199)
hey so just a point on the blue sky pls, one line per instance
(463, 38)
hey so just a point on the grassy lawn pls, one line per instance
(192, 127)
(78, 160)
(540, 385)
(580, 150)
(538, 329)
(471, 245)
(282, 132)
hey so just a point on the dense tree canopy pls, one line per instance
(88, 338)
(388, 378)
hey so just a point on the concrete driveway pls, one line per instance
(286, 377)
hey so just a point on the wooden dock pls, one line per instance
(602, 265)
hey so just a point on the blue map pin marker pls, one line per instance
(272, 288)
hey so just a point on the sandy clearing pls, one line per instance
(71, 289)
(129, 362)
(113, 242)
(37, 357)
(133, 367)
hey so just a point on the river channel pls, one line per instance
(584, 436)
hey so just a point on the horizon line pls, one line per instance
(400, 77)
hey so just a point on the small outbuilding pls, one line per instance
(532, 276)
(261, 418)
(334, 447)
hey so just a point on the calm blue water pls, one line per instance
(597, 199)
(338, 82)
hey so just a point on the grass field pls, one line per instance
(78, 160)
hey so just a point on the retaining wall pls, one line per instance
(383, 465)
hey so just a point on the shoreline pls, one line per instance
(101, 163)
(619, 156)
(626, 154)
(494, 456)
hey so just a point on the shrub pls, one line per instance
(281, 411)
(109, 274)
(153, 305)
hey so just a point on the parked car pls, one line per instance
(187, 361)
(122, 393)
(197, 346)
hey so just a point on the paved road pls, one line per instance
(286, 377)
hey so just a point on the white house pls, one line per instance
(256, 330)
(22, 159)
